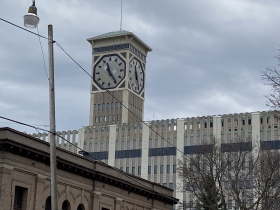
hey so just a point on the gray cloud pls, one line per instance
(206, 58)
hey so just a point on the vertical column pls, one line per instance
(217, 127)
(40, 179)
(5, 186)
(180, 146)
(91, 107)
(81, 139)
(125, 103)
(112, 145)
(118, 204)
(255, 132)
(96, 200)
(145, 151)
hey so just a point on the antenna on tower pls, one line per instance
(121, 15)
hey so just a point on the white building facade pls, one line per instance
(152, 151)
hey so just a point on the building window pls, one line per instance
(127, 169)
(99, 106)
(174, 168)
(65, 205)
(164, 184)
(117, 105)
(100, 119)
(109, 118)
(161, 169)
(133, 170)
(107, 106)
(139, 170)
(20, 198)
(121, 168)
(96, 119)
(149, 169)
(104, 118)
(114, 117)
(112, 105)
(171, 186)
(103, 106)
(120, 104)
(48, 204)
(118, 117)
(81, 207)
(155, 169)
(168, 169)
(95, 106)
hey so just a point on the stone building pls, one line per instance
(82, 183)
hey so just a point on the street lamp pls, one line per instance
(31, 20)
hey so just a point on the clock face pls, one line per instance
(109, 71)
(136, 75)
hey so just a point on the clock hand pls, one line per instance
(136, 76)
(110, 73)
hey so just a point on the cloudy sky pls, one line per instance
(207, 56)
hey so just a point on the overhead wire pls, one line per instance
(42, 53)
(84, 152)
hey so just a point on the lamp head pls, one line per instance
(31, 19)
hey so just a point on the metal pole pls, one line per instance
(52, 122)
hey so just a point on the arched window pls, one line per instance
(48, 204)
(81, 207)
(66, 205)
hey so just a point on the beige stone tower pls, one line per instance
(118, 74)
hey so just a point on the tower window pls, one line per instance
(96, 119)
(95, 106)
(117, 105)
(109, 118)
(120, 104)
(103, 106)
(107, 106)
(100, 119)
(114, 117)
(104, 118)
(118, 117)
(112, 105)
(99, 106)
(20, 198)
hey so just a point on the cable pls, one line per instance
(85, 152)
(42, 53)
(23, 28)
(92, 78)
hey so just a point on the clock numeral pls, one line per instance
(130, 66)
(129, 71)
(121, 70)
(139, 67)
(103, 83)
(130, 78)
(99, 79)
(104, 61)
(110, 59)
(141, 79)
(97, 72)
(120, 64)
(100, 67)
(119, 76)
(116, 60)
(109, 84)
(141, 72)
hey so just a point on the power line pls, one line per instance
(23, 28)
(84, 152)
(42, 53)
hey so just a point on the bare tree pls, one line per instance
(271, 76)
(217, 175)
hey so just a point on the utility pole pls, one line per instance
(52, 122)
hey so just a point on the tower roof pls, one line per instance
(116, 34)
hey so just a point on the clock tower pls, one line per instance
(118, 75)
